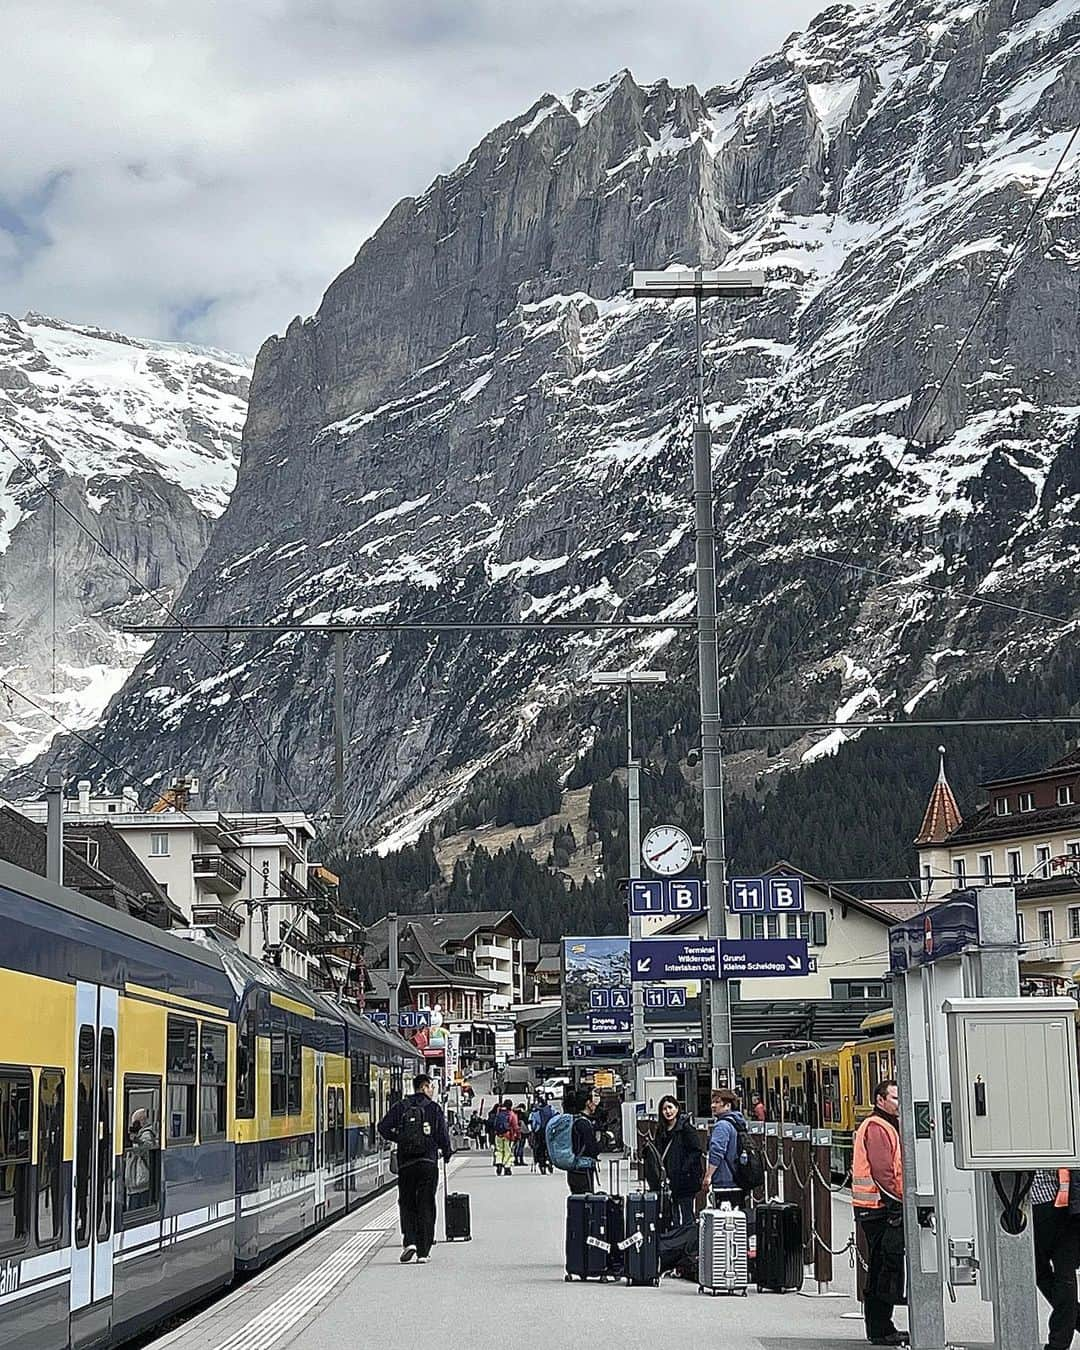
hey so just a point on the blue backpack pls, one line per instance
(559, 1137)
(502, 1123)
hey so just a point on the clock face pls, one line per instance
(667, 850)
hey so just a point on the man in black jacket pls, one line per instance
(585, 1141)
(417, 1126)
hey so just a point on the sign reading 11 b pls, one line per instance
(761, 895)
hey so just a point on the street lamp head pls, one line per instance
(679, 283)
(628, 677)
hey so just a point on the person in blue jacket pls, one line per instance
(720, 1167)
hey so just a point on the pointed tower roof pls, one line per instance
(942, 813)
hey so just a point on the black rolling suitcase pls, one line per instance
(456, 1213)
(616, 1221)
(641, 1246)
(588, 1247)
(778, 1265)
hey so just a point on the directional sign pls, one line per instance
(620, 998)
(746, 895)
(599, 998)
(673, 959)
(769, 958)
(609, 1024)
(647, 897)
(785, 895)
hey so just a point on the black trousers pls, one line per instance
(581, 1183)
(877, 1309)
(1057, 1255)
(416, 1185)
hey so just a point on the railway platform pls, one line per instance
(346, 1288)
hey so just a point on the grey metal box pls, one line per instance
(1013, 1072)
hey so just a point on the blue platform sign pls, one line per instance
(675, 998)
(609, 1024)
(620, 998)
(647, 898)
(763, 958)
(381, 1019)
(746, 895)
(685, 897)
(946, 930)
(654, 996)
(673, 959)
(785, 895)
(605, 1051)
(599, 998)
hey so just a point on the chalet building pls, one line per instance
(1025, 833)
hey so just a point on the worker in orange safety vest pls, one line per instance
(877, 1186)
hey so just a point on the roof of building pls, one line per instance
(1067, 764)
(458, 927)
(129, 890)
(985, 825)
(942, 813)
(421, 956)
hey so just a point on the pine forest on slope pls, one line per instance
(480, 424)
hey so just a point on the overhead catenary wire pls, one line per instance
(167, 609)
(991, 295)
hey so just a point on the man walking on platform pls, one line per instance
(1055, 1209)
(417, 1126)
(877, 1188)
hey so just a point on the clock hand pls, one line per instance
(655, 857)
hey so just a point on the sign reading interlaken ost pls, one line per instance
(717, 958)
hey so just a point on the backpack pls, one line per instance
(749, 1167)
(559, 1138)
(502, 1122)
(412, 1133)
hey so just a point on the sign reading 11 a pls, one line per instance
(761, 895)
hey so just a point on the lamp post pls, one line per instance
(700, 284)
(629, 678)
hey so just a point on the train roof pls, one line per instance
(62, 900)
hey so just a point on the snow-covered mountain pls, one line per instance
(479, 422)
(139, 441)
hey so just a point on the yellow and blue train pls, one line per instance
(172, 1112)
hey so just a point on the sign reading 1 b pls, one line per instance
(666, 897)
(761, 895)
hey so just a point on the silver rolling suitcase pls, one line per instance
(722, 1250)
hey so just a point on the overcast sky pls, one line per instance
(203, 170)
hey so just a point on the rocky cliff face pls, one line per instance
(139, 442)
(480, 423)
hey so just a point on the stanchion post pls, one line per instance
(757, 1131)
(822, 1234)
(800, 1158)
(772, 1161)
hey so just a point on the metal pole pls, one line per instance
(54, 831)
(339, 726)
(391, 928)
(712, 768)
(633, 793)
(1016, 1313)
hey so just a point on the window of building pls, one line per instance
(213, 1082)
(760, 925)
(142, 1147)
(1043, 854)
(1072, 848)
(16, 1095)
(1064, 794)
(421, 1000)
(960, 870)
(106, 1114)
(986, 868)
(846, 989)
(1016, 864)
(819, 928)
(181, 1057)
(1001, 806)
(1020, 926)
(1074, 921)
(246, 1066)
(295, 1083)
(1046, 926)
(278, 1094)
(50, 1168)
(159, 846)
(1026, 801)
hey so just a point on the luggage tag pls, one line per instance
(634, 1240)
(598, 1242)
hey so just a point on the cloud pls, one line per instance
(204, 170)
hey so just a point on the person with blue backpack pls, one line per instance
(506, 1129)
(572, 1142)
(541, 1113)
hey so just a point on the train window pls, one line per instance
(16, 1095)
(50, 1167)
(212, 1082)
(295, 1074)
(246, 1059)
(872, 1069)
(181, 1054)
(142, 1147)
(106, 1152)
(277, 1073)
(335, 1124)
(359, 1081)
(856, 1080)
(84, 1135)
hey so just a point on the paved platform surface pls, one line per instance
(346, 1290)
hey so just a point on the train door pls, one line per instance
(320, 1135)
(94, 1173)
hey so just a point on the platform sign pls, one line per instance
(621, 999)
(686, 897)
(761, 895)
(673, 959)
(411, 1020)
(599, 998)
(746, 895)
(653, 899)
(763, 958)
(647, 898)
(653, 996)
(609, 1024)
(606, 1051)
(785, 895)
(675, 998)
(381, 1019)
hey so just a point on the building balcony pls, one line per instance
(492, 951)
(217, 873)
(291, 889)
(218, 918)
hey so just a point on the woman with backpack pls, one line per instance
(519, 1137)
(675, 1163)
